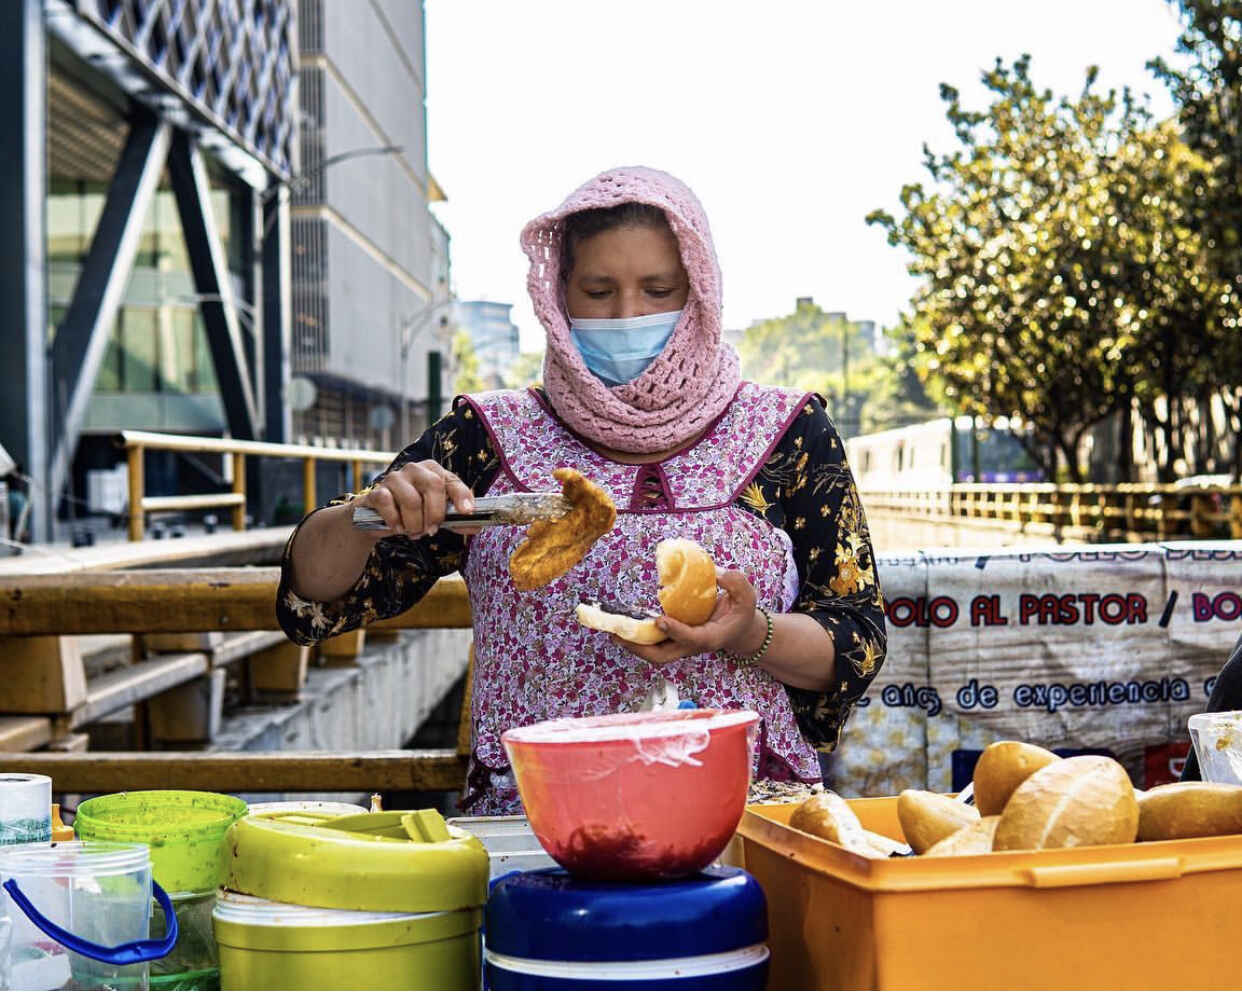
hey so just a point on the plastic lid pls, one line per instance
(628, 726)
(233, 907)
(73, 859)
(397, 862)
(258, 924)
(549, 915)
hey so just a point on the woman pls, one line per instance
(643, 397)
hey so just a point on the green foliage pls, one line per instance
(821, 352)
(526, 370)
(466, 376)
(1062, 271)
(1207, 86)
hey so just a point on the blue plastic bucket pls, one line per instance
(548, 930)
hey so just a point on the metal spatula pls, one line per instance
(512, 509)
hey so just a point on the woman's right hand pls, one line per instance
(413, 499)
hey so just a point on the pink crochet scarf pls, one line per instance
(696, 375)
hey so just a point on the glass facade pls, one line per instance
(157, 350)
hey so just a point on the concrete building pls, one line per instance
(145, 227)
(494, 337)
(370, 261)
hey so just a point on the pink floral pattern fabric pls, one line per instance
(533, 662)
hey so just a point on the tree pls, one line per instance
(900, 393)
(816, 351)
(466, 377)
(525, 370)
(1061, 280)
(1207, 87)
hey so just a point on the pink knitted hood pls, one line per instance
(695, 376)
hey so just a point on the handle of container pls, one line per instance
(1103, 873)
(134, 952)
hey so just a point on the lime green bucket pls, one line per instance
(185, 831)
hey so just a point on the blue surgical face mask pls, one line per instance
(619, 351)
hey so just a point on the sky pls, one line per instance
(790, 119)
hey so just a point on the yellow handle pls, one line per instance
(1103, 873)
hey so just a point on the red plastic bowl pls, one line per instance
(635, 796)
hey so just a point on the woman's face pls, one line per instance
(627, 272)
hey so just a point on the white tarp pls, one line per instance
(1100, 647)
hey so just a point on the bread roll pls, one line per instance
(1003, 767)
(1074, 802)
(1190, 809)
(636, 630)
(687, 581)
(829, 817)
(974, 838)
(928, 817)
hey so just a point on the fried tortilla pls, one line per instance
(553, 547)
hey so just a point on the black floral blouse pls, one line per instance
(804, 487)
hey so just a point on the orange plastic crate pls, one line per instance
(1135, 916)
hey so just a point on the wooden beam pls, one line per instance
(41, 675)
(160, 504)
(177, 601)
(24, 733)
(135, 683)
(208, 550)
(246, 771)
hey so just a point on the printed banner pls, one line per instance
(1099, 648)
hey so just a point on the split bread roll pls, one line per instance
(687, 581)
(829, 817)
(1003, 767)
(687, 593)
(1073, 802)
(1190, 809)
(628, 627)
(974, 838)
(928, 817)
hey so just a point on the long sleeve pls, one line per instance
(806, 488)
(400, 571)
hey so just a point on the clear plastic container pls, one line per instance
(1217, 738)
(79, 916)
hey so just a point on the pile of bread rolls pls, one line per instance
(1028, 799)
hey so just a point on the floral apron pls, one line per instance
(533, 661)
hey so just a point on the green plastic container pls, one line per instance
(269, 945)
(185, 831)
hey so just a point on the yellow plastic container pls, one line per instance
(268, 945)
(1135, 916)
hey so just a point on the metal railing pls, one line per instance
(1124, 512)
(136, 443)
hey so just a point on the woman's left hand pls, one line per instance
(735, 626)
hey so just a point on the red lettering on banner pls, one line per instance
(1089, 599)
(1113, 609)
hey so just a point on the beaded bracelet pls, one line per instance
(754, 658)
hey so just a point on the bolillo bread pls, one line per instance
(974, 838)
(687, 581)
(628, 627)
(1003, 767)
(687, 593)
(928, 817)
(1072, 802)
(1190, 809)
(829, 817)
